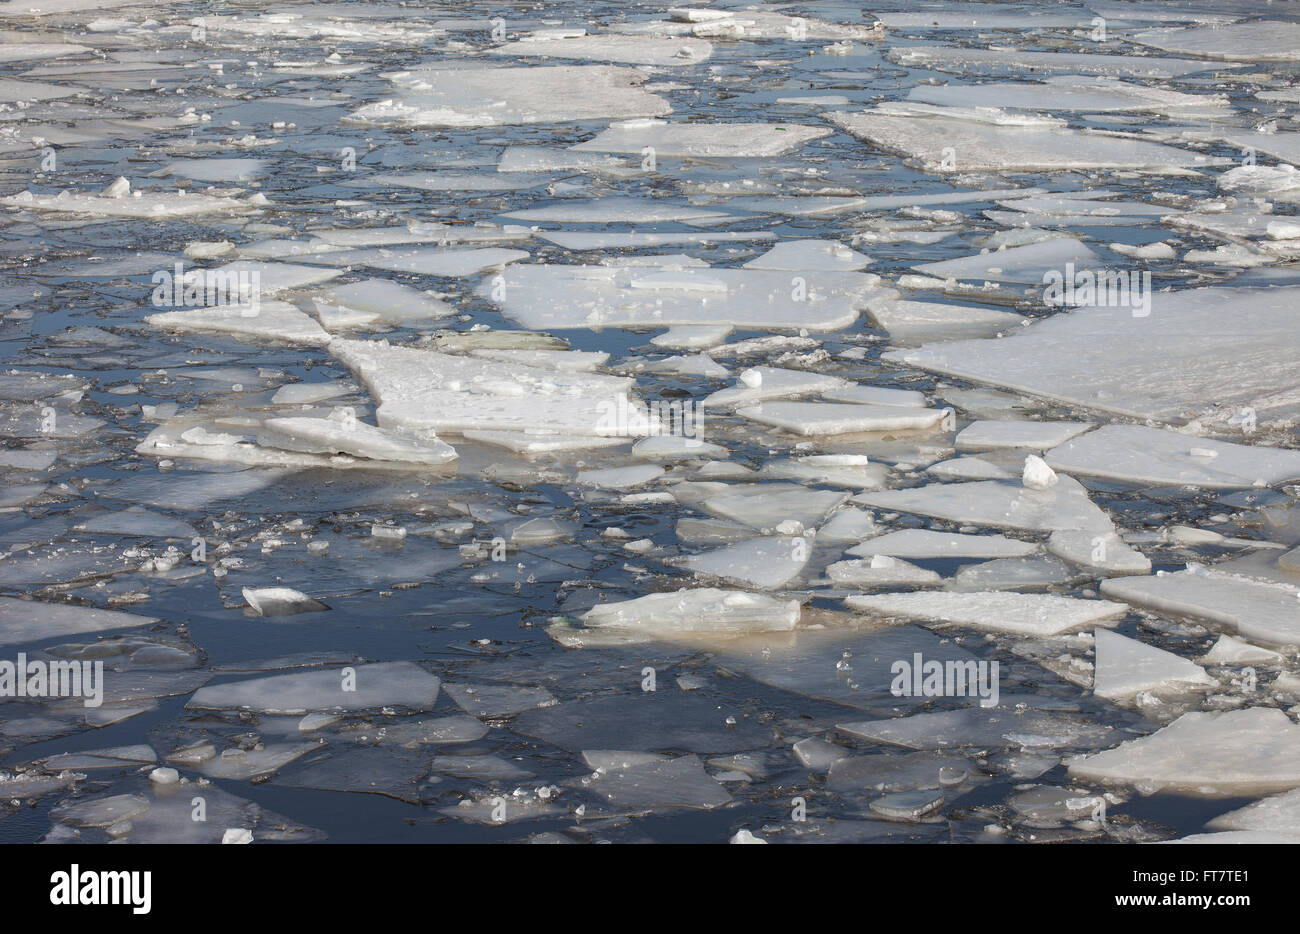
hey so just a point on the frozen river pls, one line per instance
(780, 423)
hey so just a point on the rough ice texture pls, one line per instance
(1268, 613)
(469, 97)
(1238, 752)
(1139, 454)
(331, 436)
(384, 684)
(1019, 613)
(1102, 358)
(683, 140)
(425, 389)
(702, 610)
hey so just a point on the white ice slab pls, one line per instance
(1003, 434)
(950, 144)
(1278, 814)
(703, 140)
(1025, 264)
(910, 322)
(1139, 454)
(1267, 613)
(704, 609)
(923, 543)
(1237, 752)
(1126, 667)
(807, 255)
(357, 687)
(1102, 357)
(631, 50)
(1255, 41)
(1097, 551)
(986, 61)
(419, 389)
(387, 301)
(349, 436)
(761, 383)
(880, 571)
(764, 563)
(29, 620)
(469, 97)
(268, 320)
(832, 418)
(1019, 613)
(999, 504)
(546, 297)
(1067, 92)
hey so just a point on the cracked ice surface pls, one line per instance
(611, 422)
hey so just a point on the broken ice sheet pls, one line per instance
(1100, 357)
(923, 543)
(165, 814)
(835, 418)
(1018, 613)
(1000, 504)
(765, 563)
(705, 610)
(348, 436)
(1256, 41)
(910, 323)
(493, 96)
(989, 435)
(498, 701)
(394, 772)
(28, 620)
(360, 687)
(985, 61)
(992, 728)
(1126, 667)
(1237, 752)
(1020, 264)
(422, 389)
(1264, 612)
(651, 721)
(702, 140)
(1146, 455)
(849, 667)
(950, 143)
(564, 297)
(1277, 814)
(267, 320)
(657, 782)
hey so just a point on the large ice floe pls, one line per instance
(626, 424)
